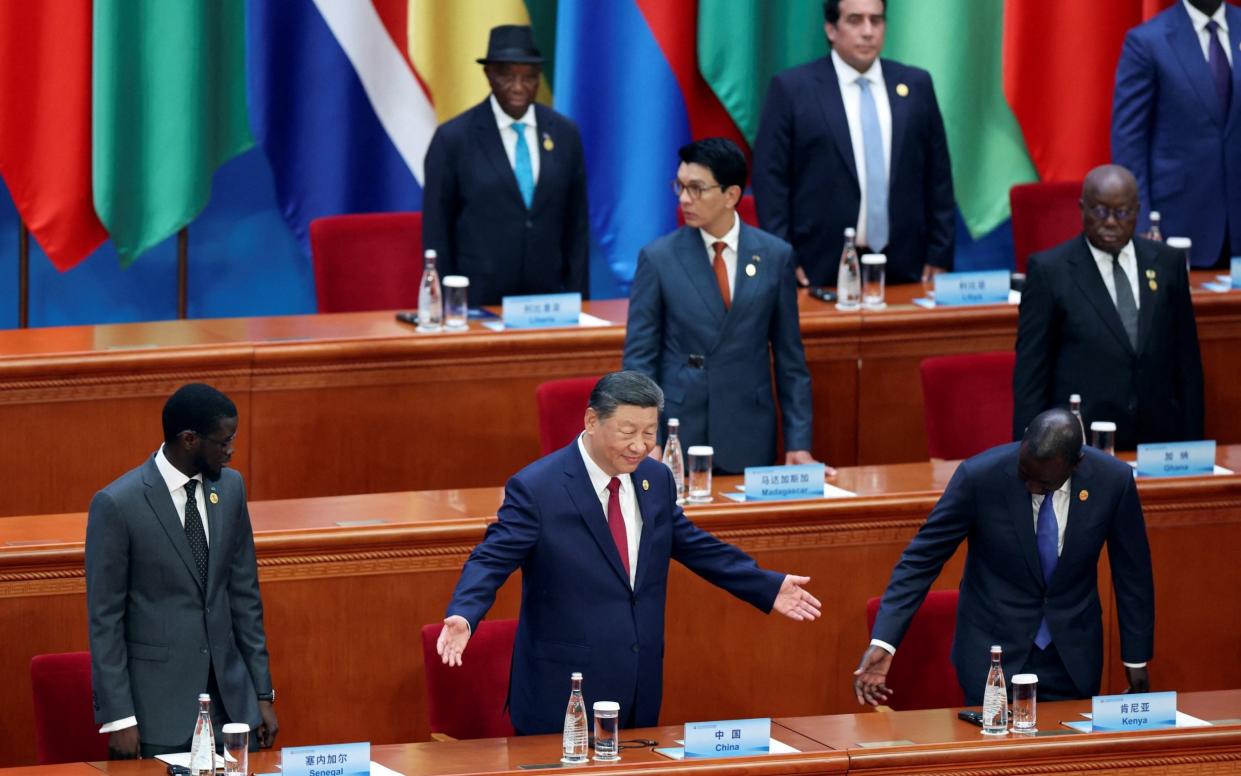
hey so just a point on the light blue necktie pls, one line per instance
(876, 172)
(521, 165)
(1047, 536)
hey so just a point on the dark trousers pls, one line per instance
(219, 716)
(1054, 682)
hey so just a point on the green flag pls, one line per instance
(169, 106)
(986, 144)
(743, 43)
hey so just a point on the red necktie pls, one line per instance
(616, 523)
(721, 272)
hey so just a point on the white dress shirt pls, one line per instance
(730, 251)
(1199, 20)
(851, 93)
(175, 479)
(507, 136)
(1128, 262)
(599, 480)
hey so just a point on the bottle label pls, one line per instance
(542, 310)
(326, 760)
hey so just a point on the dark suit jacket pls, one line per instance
(474, 217)
(578, 612)
(154, 632)
(1003, 597)
(1070, 340)
(1169, 129)
(675, 311)
(806, 181)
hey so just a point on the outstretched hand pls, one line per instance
(871, 675)
(794, 601)
(452, 640)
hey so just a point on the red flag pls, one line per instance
(1059, 71)
(45, 136)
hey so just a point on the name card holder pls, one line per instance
(728, 738)
(1236, 271)
(775, 483)
(539, 311)
(1137, 711)
(1176, 459)
(955, 289)
(326, 760)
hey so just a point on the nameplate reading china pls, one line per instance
(1176, 459)
(964, 288)
(540, 310)
(773, 483)
(326, 760)
(1136, 711)
(728, 738)
(1236, 271)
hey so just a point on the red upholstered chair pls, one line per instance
(745, 208)
(1044, 215)
(968, 402)
(65, 730)
(470, 700)
(367, 261)
(562, 405)
(922, 675)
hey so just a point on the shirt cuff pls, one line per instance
(885, 646)
(120, 724)
(1134, 665)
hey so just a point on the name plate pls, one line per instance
(965, 288)
(540, 310)
(1137, 711)
(773, 483)
(1176, 459)
(728, 738)
(1236, 271)
(326, 760)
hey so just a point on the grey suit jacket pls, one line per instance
(154, 631)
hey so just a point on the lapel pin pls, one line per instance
(548, 145)
(215, 499)
(1150, 274)
(751, 270)
(902, 90)
(1154, 286)
(646, 485)
(756, 257)
(1083, 494)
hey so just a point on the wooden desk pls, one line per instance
(344, 602)
(358, 403)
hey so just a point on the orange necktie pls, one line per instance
(721, 272)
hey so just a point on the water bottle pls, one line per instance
(673, 458)
(202, 747)
(430, 298)
(1075, 407)
(995, 698)
(1155, 232)
(849, 278)
(576, 742)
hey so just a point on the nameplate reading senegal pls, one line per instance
(1176, 459)
(728, 738)
(542, 310)
(955, 289)
(326, 760)
(1236, 271)
(1136, 711)
(774, 483)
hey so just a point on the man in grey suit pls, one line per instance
(172, 589)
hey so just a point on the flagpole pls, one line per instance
(183, 265)
(23, 275)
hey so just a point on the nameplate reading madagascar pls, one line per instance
(326, 760)
(1136, 711)
(1236, 271)
(954, 289)
(1176, 459)
(728, 738)
(542, 310)
(774, 483)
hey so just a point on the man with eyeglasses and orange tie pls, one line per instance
(712, 307)
(1107, 315)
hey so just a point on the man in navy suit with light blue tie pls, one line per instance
(1176, 124)
(593, 527)
(711, 307)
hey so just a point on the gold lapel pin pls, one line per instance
(902, 90)
(548, 145)
(215, 499)
(646, 485)
(751, 270)
(1154, 286)
(1083, 494)
(1150, 274)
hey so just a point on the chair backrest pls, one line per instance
(922, 675)
(471, 700)
(65, 730)
(1044, 215)
(562, 405)
(745, 208)
(367, 261)
(968, 403)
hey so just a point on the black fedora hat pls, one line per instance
(512, 43)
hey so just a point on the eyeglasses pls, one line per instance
(696, 190)
(1120, 213)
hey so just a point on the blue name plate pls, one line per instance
(326, 760)
(540, 310)
(1176, 459)
(1138, 711)
(728, 738)
(1236, 271)
(772, 483)
(962, 288)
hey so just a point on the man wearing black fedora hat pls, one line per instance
(505, 193)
